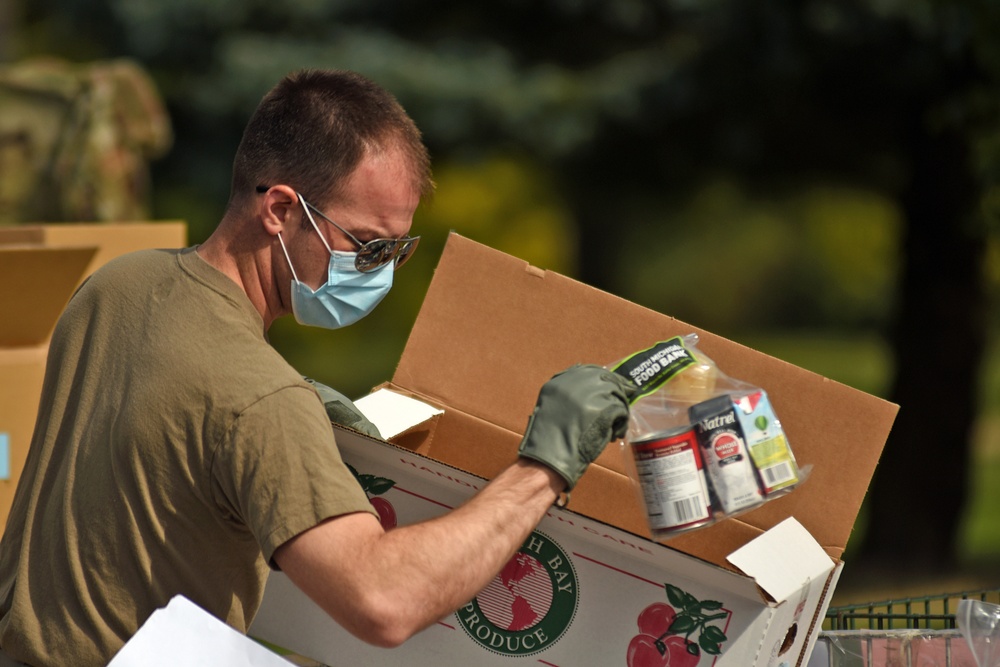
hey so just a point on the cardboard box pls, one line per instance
(752, 589)
(40, 268)
(109, 239)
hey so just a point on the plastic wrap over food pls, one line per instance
(705, 446)
(979, 623)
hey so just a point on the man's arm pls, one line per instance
(383, 587)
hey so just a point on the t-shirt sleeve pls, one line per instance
(278, 470)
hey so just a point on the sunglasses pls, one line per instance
(373, 254)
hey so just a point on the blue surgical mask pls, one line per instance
(345, 297)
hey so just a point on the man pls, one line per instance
(176, 452)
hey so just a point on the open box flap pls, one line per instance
(783, 560)
(493, 329)
(35, 284)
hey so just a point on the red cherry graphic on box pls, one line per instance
(386, 512)
(647, 649)
(677, 634)
(655, 619)
(680, 652)
(374, 486)
(644, 651)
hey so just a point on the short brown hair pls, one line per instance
(314, 127)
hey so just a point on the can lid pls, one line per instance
(663, 435)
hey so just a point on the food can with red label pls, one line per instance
(673, 482)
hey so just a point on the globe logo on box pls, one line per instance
(529, 605)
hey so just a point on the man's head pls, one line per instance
(312, 130)
(329, 162)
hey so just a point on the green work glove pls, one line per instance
(578, 412)
(342, 410)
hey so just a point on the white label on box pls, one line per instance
(393, 413)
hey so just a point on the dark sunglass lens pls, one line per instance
(378, 253)
(374, 254)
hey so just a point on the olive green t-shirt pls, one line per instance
(174, 451)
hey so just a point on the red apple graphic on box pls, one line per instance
(666, 630)
(374, 487)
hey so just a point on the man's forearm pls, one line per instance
(463, 550)
(384, 587)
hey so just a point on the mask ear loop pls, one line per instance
(287, 258)
(305, 207)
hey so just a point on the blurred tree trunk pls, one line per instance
(594, 203)
(10, 21)
(937, 338)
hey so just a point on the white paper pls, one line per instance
(783, 560)
(182, 633)
(393, 413)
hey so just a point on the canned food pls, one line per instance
(672, 479)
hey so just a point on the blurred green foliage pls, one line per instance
(822, 258)
(825, 259)
(732, 164)
(744, 166)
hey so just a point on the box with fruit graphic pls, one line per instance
(579, 592)
(746, 591)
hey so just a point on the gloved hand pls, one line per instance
(578, 412)
(341, 410)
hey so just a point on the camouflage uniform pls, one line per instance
(76, 139)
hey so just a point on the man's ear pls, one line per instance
(278, 209)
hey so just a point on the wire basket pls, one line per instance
(929, 612)
(907, 632)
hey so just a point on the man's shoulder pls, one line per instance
(142, 262)
(165, 256)
(252, 370)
